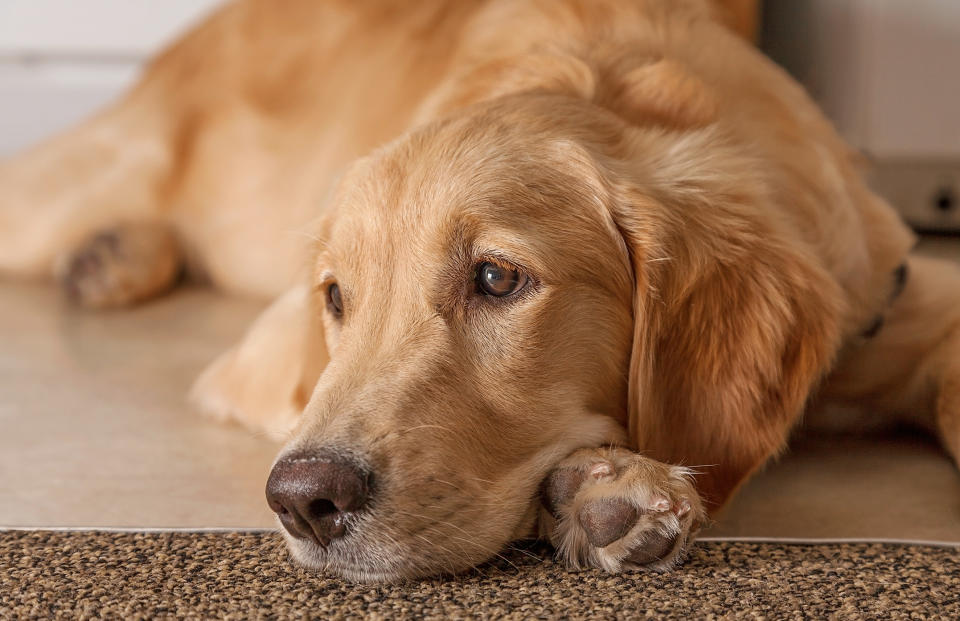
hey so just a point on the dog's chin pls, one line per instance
(351, 566)
(310, 557)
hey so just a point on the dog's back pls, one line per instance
(237, 133)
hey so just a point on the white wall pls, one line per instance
(886, 71)
(913, 87)
(62, 59)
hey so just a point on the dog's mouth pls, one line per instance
(390, 550)
(440, 524)
(365, 521)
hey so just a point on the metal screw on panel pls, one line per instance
(945, 199)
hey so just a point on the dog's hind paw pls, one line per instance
(614, 509)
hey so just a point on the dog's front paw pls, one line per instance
(614, 509)
(120, 266)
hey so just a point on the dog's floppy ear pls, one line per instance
(733, 330)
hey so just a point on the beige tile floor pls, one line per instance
(94, 428)
(95, 432)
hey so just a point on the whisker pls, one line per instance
(305, 234)
(445, 561)
(488, 551)
(483, 480)
(448, 483)
(447, 429)
(443, 522)
(514, 548)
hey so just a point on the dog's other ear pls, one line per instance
(545, 72)
(661, 92)
(664, 93)
(733, 330)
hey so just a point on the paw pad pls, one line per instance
(560, 487)
(606, 520)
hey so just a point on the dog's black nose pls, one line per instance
(314, 495)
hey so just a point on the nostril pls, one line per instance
(322, 507)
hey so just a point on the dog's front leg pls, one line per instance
(615, 509)
(109, 170)
(265, 381)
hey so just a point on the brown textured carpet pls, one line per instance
(247, 575)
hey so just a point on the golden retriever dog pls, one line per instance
(568, 267)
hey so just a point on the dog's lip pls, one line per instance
(307, 551)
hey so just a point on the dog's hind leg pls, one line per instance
(909, 370)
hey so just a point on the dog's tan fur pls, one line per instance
(702, 253)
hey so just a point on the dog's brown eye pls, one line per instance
(499, 280)
(334, 302)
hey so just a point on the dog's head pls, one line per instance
(477, 305)
(494, 289)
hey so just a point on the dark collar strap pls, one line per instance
(900, 276)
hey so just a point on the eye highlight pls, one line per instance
(334, 301)
(498, 279)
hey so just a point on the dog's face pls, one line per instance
(536, 274)
(476, 302)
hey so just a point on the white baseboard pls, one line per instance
(926, 191)
(39, 98)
